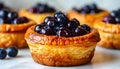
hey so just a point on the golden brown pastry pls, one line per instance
(13, 35)
(64, 48)
(109, 29)
(109, 33)
(87, 16)
(37, 14)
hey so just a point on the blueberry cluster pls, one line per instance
(41, 8)
(113, 18)
(11, 17)
(88, 9)
(11, 52)
(60, 25)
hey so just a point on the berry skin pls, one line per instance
(12, 15)
(86, 27)
(12, 51)
(3, 53)
(108, 19)
(79, 31)
(73, 23)
(63, 32)
(20, 20)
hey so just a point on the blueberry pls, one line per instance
(117, 19)
(20, 20)
(93, 6)
(49, 18)
(75, 9)
(79, 31)
(12, 15)
(63, 32)
(12, 51)
(4, 13)
(61, 18)
(86, 27)
(46, 30)
(51, 23)
(33, 9)
(4, 21)
(38, 27)
(108, 19)
(114, 13)
(3, 53)
(73, 23)
(85, 10)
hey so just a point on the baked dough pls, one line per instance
(61, 51)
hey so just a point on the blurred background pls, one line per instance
(63, 5)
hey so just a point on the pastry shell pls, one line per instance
(110, 35)
(13, 35)
(38, 18)
(61, 51)
(87, 18)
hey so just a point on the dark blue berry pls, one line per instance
(12, 15)
(4, 21)
(46, 30)
(108, 19)
(38, 27)
(73, 23)
(20, 20)
(12, 51)
(79, 31)
(3, 53)
(115, 14)
(4, 13)
(86, 27)
(63, 32)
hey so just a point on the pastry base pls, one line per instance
(69, 55)
(109, 40)
(12, 39)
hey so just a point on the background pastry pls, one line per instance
(12, 29)
(109, 30)
(61, 42)
(37, 12)
(88, 14)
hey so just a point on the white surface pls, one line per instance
(103, 59)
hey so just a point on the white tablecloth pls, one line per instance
(103, 59)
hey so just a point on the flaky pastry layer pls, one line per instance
(12, 39)
(87, 18)
(69, 55)
(38, 18)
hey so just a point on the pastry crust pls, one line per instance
(87, 18)
(61, 51)
(110, 35)
(38, 18)
(13, 35)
